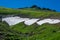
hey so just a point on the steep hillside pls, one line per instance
(33, 32)
(30, 12)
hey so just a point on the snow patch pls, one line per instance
(15, 20)
(31, 21)
(50, 21)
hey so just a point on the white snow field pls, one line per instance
(50, 21)
(31, 21)
(15, 20)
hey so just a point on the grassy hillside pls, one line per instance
(30, 12)
(34, 32)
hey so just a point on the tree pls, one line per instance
(46, 9)
(54, 10)
(43, 8)
(35, 6)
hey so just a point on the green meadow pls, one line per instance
(33, 32)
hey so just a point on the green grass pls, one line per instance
(36, 32)
(33, 32)
(29, 12)
(43, 32)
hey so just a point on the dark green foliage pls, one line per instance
(54, 10)
(34, 6)
(33, 32)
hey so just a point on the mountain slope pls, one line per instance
(33, 32)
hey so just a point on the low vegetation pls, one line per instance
(33, 32)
